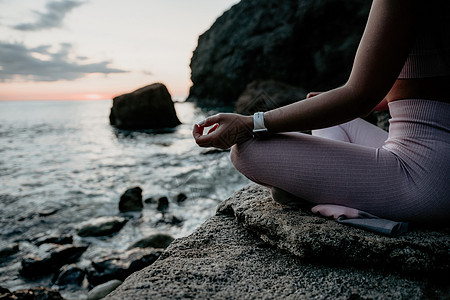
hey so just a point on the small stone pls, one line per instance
(100, 291)
(170, 220)
(153, 241)
(181, 197)
(149, 200)
(57, 239)
(163, 204)
(70, 275)
(131, 200)
(48, 211)
(102, 226)
(9, 250)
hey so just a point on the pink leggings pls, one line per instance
(402, 176)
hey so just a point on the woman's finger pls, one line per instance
(213, 129)
(197, 131)
(209, 121)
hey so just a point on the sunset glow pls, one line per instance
(73, 50)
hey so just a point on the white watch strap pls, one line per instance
(258, 121)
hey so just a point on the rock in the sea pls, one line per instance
(8, 250)
(154, 241)
(277, 40)
(163, 204)
(63, 239)
(39, 293)
(150, 107)
(122, 265)
(70, 275)
(100, 291)
(169, 220)
(53, 258)
(102, 226)
(181, 197)
(131, 200)
(266, 95)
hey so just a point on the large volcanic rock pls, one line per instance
(304, 43)
(150, 107)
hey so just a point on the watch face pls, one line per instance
(260, 133)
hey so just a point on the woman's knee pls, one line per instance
(236, 156)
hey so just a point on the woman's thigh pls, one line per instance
(320, 170)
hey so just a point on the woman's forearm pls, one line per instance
(327, 109)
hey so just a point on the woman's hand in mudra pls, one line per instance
(227, 129)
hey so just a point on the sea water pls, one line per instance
(62, 163)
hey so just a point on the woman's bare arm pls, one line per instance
(381, 54)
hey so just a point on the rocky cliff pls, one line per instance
(305, 43)
(256, 249)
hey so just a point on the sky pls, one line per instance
(98, 49)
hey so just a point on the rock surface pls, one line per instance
(305, 235)
(277, 40)
(236, 258)
(150, 107)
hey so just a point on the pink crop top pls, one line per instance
(429, 56)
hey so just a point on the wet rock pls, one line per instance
(264, 95)
(169, 220)
(223, 260)
(120, 266)
(48, 211)
(102, 226)
(39, 293)
(100, 291)
(150, 107)
(181, 197)
(131, 200)
(277, 40)
(53, 239)
(163, 204)
(52, 258)
(153, 241)
(70, 275)
(8, 251)
(313, 238)
(149, 200)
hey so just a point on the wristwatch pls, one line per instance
(259, 129)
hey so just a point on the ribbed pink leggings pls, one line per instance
(401, 176)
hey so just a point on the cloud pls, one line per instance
(53, 17)
(39, 64)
